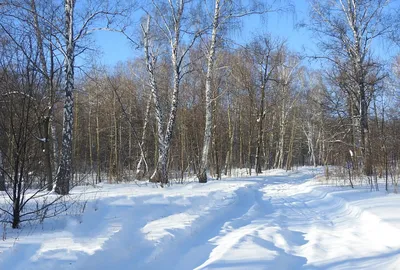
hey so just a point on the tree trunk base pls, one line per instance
(16, 220)
(368, 170)
(139, 174)
(61, 190)
(62, 183)
(2, 184)
(157, 177)
(202, 177)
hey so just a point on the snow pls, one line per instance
(278, 220)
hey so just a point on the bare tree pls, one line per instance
(348, 30)
(30, 14)
(97, 12)
(225, 12)
(286, 73)
(265, 55)
(171, 20)
(210, 69)
(21, 114)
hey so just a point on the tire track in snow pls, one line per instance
(254, 229)
(339, 234)
(190, 248)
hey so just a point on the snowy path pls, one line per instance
(277, 221)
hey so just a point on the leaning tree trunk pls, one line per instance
(65, 169)
(163, 142)
(202, 176)
(142, 168)
(161, 172)
(177, 61)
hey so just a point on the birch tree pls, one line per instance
(265, 55)
(142, 167)
(171, 20)
(348, 30)
(64, 174)
(225, 12)
(312, 114)
(286, 72)
(210, 69)
(96, 12)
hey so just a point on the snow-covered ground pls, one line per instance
(280, 220)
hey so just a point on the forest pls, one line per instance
(194, 102)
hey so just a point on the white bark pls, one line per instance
(352, 26)
(171, 28)
(64, 174)
(202, 176)
(140, 171)
(285, 77)
(150, 65)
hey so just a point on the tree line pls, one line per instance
(194, 102)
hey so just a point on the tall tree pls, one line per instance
(265, 54)
(172, 20)
(225, 12)
(348, 29)
(96, 11)
(210, 69)
(64, 174)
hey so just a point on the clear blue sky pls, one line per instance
(115, 47)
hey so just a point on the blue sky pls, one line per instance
(282, 25)
(116, 48)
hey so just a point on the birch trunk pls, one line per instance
(160, 170)
(281, 140)
(261, 116)
(142, 168)
(65, 169)
(56, 155)
(172, 29)
(202, 176)
(289, 158)
(98, 167)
